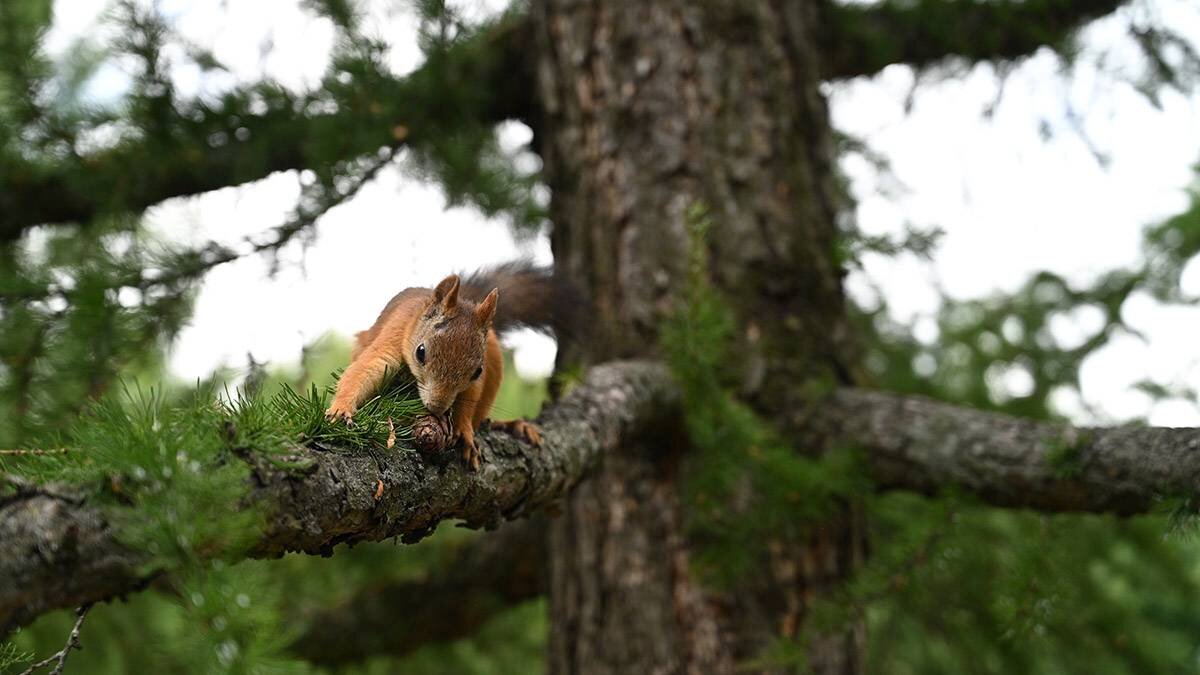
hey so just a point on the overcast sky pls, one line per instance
(1011, 201)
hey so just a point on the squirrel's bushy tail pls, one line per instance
(531, 296)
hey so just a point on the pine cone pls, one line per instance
(432, 436)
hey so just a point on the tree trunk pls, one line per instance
(651, 109)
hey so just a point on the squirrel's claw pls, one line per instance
(520, 429)
(471, 454)
(531, 433)
(341, 412)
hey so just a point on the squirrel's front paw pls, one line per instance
(340, 411)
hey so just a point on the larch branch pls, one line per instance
(919, 444)
(60, 551)
(492, 84)
(489, 575)
(861, 39)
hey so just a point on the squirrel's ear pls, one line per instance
(446, 292)
(486, 310)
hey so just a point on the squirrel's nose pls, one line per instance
(437, 407)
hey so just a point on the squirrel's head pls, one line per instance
(448, 346)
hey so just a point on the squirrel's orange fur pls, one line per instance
(450, 347)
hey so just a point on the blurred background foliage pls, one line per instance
(960, 587)
(88, 310)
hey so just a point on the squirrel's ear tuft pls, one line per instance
(486, 310)
(446, 292)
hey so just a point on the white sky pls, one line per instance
(1010, 201)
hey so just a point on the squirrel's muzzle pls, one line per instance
(436, 405)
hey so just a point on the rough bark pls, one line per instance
(861, 39)
(60, 552)
(622, 597)
(650, 110)
(492, 574)
(57, 552)
(493, 83)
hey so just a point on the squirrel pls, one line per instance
(446, 336)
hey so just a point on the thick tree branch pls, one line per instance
(60, 551)
(206, 148)
(490, 575)
(861, 39)
(923, 445)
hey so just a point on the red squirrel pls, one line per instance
(446, 336)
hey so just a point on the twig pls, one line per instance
(26, 487)
(61, 655)
(918, 557)
(35, 451)
(214, 255)
(17, 482)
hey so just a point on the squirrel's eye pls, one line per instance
(421, 354)
(478, 372)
